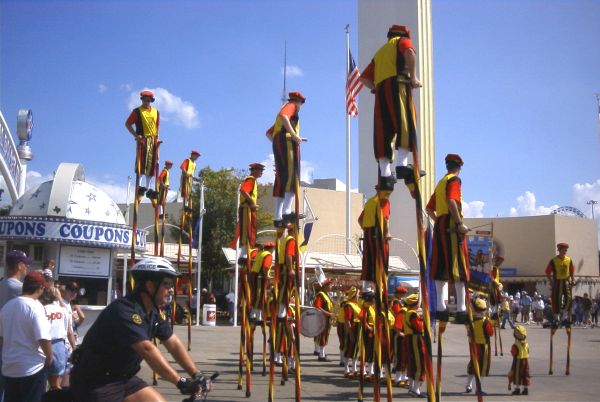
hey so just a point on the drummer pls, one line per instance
(323, 303)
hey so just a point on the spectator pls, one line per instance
(230, 298)
(515, 307)
(50, 264)
(576, 310)
(27, 348)
(17, 263)
(548, 313)
(586, 308)
(538, 310)
(203, 297)
(525, 307)
(69, 294)
(61, 333)
(594, 311)
(505, 309)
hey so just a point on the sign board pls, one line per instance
(480, 249)
(63, 230)
(508, 272)
(10, 163)
(84, 261)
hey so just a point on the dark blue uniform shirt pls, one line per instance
(121, 324)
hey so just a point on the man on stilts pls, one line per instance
(283, 134)
(391, 76)
(246, 228)
(188, 168)
(560, 271)
(164, 182)
(146, 120)
(449, 259)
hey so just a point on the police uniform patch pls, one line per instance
(136, 319)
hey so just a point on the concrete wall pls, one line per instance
(529, 242)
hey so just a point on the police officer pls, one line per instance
(113, 348)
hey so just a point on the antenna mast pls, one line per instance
(284, 93)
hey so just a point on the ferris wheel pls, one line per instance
(568, 211)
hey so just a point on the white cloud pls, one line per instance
(293, 71)
(102, 88)
(117, 192)
(584, 193)
(170, 106)
(306, 171)
(526, 206)
(473, 209)
(126, 87)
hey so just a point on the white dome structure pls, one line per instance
(67, 210)
(86, 202)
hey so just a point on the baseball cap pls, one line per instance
(16, 256)
(35, 279)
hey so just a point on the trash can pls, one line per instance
(209, 315)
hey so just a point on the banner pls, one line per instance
(70, 231)
(480, 249)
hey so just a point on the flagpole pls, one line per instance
(347, 146)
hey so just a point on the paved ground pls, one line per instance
(215, 348)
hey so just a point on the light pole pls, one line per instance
(592, 203)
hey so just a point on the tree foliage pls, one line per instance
(219, 222)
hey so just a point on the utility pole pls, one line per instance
(592, 203)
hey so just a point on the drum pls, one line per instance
(312, 322)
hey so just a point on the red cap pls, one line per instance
(401, 289)
(194, 152)
(297, 96)
(170, 163)
(269, 244)
(562, 245)
(147, 93)
(326, 282)
(454, 158)
(254, 166)
(35, 279)
(396, 30)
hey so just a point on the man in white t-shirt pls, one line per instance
(17, 263)
(27, 347)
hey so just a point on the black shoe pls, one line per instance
(141, 191)
(406, 173)
(291, 218)
(525, 392)
(468, 390)
(316, 353)
(279, 224)
(386, 183)
(442, 316)
(461, 317)
(151, 194)
(517, 391)
(161, 216)
(323, 359)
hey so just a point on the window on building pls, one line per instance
(38, 253)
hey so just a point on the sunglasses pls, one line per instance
(168, 285)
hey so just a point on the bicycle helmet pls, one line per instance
(153, 267)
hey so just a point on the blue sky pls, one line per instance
(514, 88)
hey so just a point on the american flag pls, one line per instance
(353, 86)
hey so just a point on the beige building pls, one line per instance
(529, 242)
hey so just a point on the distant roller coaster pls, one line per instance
(568, 211)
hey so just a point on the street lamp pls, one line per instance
(592, 203)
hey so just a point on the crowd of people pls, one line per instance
(39, 318)
(537, 309)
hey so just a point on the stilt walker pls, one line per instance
(560, 271)
(146, 120)
(391, 76)
(164, 182)
(449, 262)
(495, 298)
